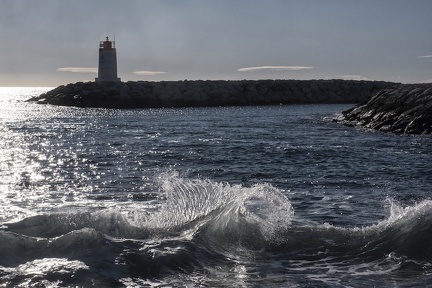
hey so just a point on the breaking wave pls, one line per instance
(200, 224)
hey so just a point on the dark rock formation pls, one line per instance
(209, 93)
(401, 109)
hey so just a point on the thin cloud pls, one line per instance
(274, 68)
(353, 77)
(425, 56)
(78, 69)
(148, 73)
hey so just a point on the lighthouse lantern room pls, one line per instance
(107, 70)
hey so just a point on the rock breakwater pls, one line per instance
(401, 109)
(142, 94)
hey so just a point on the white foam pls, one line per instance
(220, 205)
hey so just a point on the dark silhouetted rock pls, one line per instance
(141, 94)
(401, 109)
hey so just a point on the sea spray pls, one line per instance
(222, 210)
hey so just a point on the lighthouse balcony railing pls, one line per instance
(102, 45)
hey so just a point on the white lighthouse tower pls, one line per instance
(107, 70)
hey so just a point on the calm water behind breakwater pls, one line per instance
(276, 196)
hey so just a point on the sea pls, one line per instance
(260, 196)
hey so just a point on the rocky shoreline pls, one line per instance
(142, 94)
(401, 109)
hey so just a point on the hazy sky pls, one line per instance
(54, 42)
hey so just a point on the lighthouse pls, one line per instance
(107, 70)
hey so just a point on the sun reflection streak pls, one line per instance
(50, 158)
(30, 160)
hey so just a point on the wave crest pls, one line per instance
(221, 211)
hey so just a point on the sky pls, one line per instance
(47, 43)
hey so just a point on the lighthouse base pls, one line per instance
(107, 79)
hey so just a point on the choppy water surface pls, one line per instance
(209, 197)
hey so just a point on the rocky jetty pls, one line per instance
(142, 94)
(401, 109)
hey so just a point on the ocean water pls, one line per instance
(277, 196)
